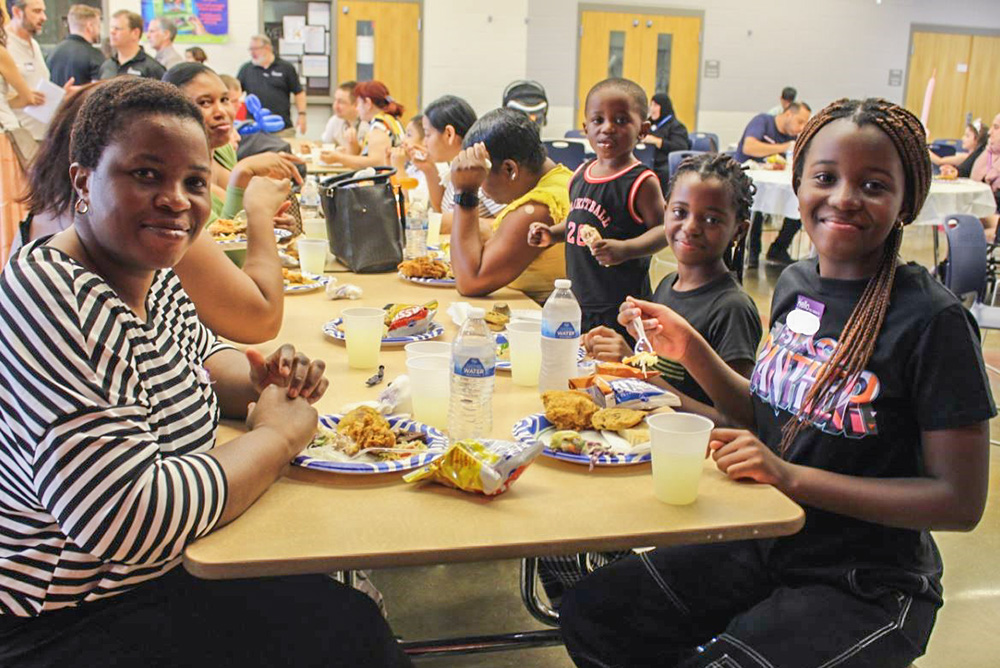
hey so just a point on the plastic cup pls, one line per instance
(525, 339)
(430, 377)
(433, 228)
(314, 227)
(679, 442)
(421, 348)
(363, 334)
(312, 255)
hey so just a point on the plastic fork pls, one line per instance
(642, 344)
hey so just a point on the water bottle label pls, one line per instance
(566, 330)
(473, 368)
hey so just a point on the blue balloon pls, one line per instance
(263, 119)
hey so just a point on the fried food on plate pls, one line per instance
(293, 277)
(498, 317)
(223, 229)
(568, 409)
(367, 428)
(616, 419)
(425, 267)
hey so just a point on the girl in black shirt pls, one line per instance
(869, 405)
(666, 133)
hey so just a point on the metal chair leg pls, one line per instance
(529, 594)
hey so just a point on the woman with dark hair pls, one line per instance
(112, 390)
(382, 113)
(195, 54)
(666, 133)
(446, 122)
(244, 305)
(229, 177)
(505, 157)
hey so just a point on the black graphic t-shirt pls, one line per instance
(723, 313)
(925, 374)
(607, 204)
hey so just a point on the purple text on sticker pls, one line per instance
(810, 306)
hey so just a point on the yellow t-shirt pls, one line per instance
(552, 191)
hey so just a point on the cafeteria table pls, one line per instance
(312, 521)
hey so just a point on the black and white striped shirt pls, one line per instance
(105, 426)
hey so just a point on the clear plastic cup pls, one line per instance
(433, 228)
(363, 334)
(679, 442)
(430, 377)
(420, 348)
(312, 255)
(525, 339)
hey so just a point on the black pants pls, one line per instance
(720, 606)
(179, 620)
(783, 241)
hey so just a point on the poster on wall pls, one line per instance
(198, 21)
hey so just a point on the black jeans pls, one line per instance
(178, 620)
(720, 606)
(783, 241)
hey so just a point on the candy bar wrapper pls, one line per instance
(640, 395)
(488, 467)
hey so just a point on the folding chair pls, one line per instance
(704, 141)
(674, 158)
(646, 154)
(569, 153)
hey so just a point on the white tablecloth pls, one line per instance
(774, 196)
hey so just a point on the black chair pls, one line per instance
(674, 159)
(704, 141)
(646, 153)
(943, 150)
(569, 153)
(574, 134)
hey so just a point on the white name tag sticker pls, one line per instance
(133, 72)
(29, 66)
(804, 319)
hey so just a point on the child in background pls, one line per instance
(235, 97)
(398, 157)
(870, 407)
(706, 222)
(617, 196)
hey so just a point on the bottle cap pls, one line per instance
(563, 284)
(476, 312)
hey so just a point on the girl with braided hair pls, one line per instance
(869, 405)
(705, 222)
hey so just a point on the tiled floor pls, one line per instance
(468, 599)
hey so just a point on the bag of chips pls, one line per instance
(488, 466)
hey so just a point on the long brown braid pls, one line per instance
(741, 189)
(857, 341)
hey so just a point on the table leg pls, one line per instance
(529, 594)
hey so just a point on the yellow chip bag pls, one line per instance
(488, 466)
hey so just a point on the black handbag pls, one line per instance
(364, 220)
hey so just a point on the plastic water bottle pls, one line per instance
(309, 201)
(560, 338)
(416, 229)
(473, 356)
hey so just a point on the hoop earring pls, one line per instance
(81, 206)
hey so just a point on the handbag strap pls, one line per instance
(340, 180)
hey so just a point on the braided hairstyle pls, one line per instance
(741, 189)
(857, 341)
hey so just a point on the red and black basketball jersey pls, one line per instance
(608, 204)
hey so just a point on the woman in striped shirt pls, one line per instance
(110, 393)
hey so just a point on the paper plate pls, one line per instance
(533, 428)
(437, 442)
(331, 330)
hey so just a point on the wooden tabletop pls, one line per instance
(314, 522)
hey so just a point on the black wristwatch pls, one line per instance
(467, 200)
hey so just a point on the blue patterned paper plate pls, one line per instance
(279, 236)
(527, 429)
(434, 282)
(315, 283)
(331, 330)
(436, 444)
(504, 365)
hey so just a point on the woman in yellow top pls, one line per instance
(377, 108)
(504, 154)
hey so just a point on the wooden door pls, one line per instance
(386, 36)
(982, 96)
(948, 56)
(658, 52)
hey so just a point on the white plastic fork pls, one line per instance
(642, 344)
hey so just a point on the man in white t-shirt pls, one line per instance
(26, 20)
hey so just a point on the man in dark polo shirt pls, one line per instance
(76, 58)
(772, 135)
(126, 29)
(273, 80)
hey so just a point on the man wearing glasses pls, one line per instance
(273, 80)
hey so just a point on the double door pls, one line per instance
(659, 52)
